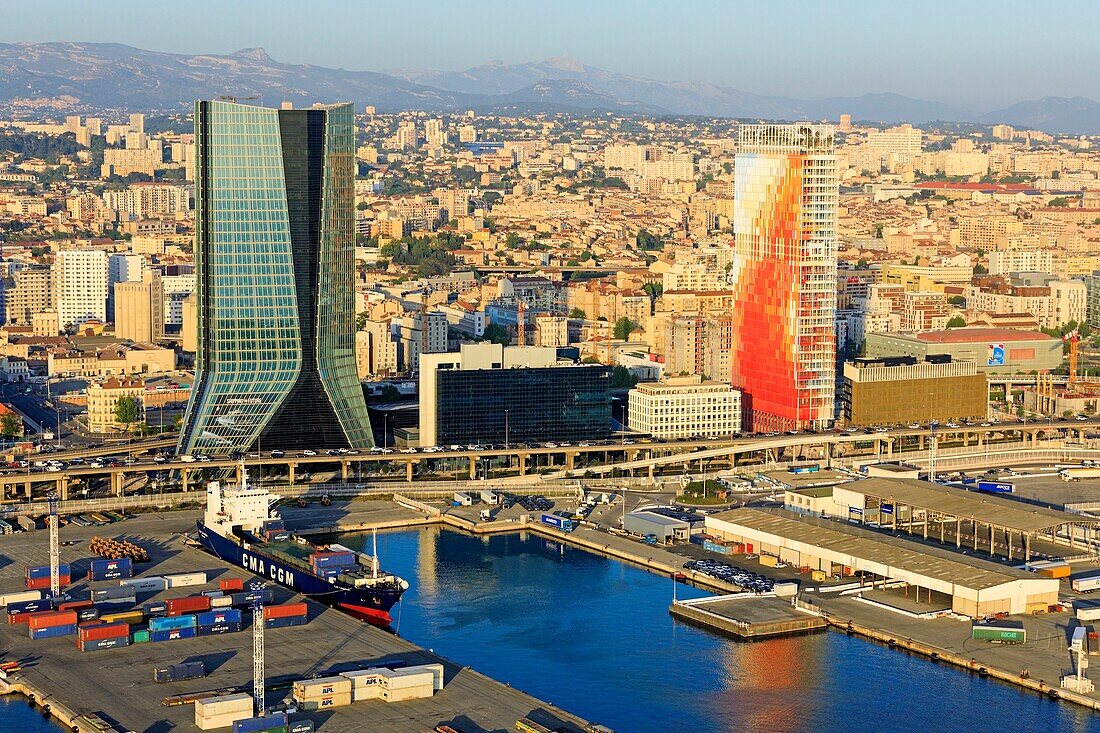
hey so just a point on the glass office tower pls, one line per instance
(274, 254)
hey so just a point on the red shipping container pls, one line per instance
(44, 583)
(22, 618)
(285, 610)
(187, 604)
(94, 631)
(231, 584)
(46, 619)
(74, 605)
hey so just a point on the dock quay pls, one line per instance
(85, 690)
(747, 616)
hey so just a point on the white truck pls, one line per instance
(1076, 474)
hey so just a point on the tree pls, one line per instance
(127, 410)
(623, 327)
(621, 378)
(390, 393)
(1059, 201)
(980, 269)
(360, 321)
(497, 334)
(10, 425)
(957, 300)
(577, 313)
(956, 322)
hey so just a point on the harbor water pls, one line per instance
(593, 636)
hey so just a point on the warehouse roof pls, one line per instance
(987, 509)
(844, 539)
(656, 518)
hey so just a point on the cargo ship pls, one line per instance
(241, 527)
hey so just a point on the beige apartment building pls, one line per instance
(32, 292)
(103, 399)
(139, 309)
(682, 407)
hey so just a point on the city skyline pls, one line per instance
(912, 52)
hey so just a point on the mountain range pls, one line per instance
(84, 77)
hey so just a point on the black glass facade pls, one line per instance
(530, 405)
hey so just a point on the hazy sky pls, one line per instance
(976, 53)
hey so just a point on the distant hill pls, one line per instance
(84, 77)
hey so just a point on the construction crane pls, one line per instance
(521, 322)
(1072, 338)
(55, 551)
(258, 648)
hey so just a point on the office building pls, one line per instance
(902, 390)
(993, 350)
(488, 393)
(274, 259)
(139, 306)
(685, 407)
(80, 286)
(784, 275)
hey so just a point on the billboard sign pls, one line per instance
(996, 355)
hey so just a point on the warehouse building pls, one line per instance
(897, 390)
(993, 350)
(665, 528)
(976, 588)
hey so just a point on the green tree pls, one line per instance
(654, 289)
(577, 313)
(497, 334)
(513, 240)
(10, 425)
(623, 328)
(360, 321)
(621, 378)
(956, 322)
(390, 393)
(957, 300)
(980, 269)
(127, 410)
(1060, 201)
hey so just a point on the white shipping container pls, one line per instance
(323, 702)
(417, 692)
(225, 720)
(221, 602)
(437, 673)
(26, 595)
(181, 580)
(364, 677)
(1087, 613)
(152, 584)
(322, 686)
(212, 706)
(401, 678)
(1082, 585)
(367, 692)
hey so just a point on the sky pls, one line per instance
(978, 54)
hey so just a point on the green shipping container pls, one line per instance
(1006, 634)
(141, 636)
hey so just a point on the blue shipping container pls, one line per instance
(172, 634)
(996, 487)
(156, 609)
(43, 571)
(115, 593)
(267, 595)
(51, 632)
(251, 725)
(113, 606)
(213, 593)
(41, 604)
(721, 549)
(285, 621)
(228, 616)
(104, 564)
(214, 629)
(343, 559)
(87, 614)
(166, 623)
(95, 645)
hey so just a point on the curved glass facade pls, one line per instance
(274, 256)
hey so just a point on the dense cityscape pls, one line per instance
(408, 390)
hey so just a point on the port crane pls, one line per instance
(258, 648)
(55, 551)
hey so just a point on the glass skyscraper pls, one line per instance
(274, 255)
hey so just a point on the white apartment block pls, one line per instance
(683, 407)
(1029, 260)
(80, 284)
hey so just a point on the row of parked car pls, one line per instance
(529, 503)
(732, 574)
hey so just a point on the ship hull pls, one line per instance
(369, 604)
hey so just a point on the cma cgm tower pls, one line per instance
(275, 255)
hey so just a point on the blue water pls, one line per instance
(593, 636)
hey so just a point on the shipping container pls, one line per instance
(285, 622)
(324, 702)
(246, 599)
(321, 686)
(213, 629)
(95, 645)
(212, 594)
(254, 725)
(187, 604)
(768, 561)
(32, 606)
(51, 632)
(999, 632)
(114, 569)
(715, 547)
(115, 593)
(178, 672)
(141, 636)
(301, 726)
(1086, 610)
(230, 585)
(563, 523)
(181, 580)
(75, 605)
(126, 617)
(152, 584)
(173, 634)
(320, 560)
(165, 623)
(1085, 583)
(286, 609)
(43, 571)
(20, 597)
(212, 706)
(228, 616)
(45, 583)
(87, 614)
(93, 631)
(51, 618)
(157, 608)
(221, 602)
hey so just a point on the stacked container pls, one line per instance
(19, 597)
(288, 614)
(116, 594)
(300, 726)
(141, 636)
(96, 636)
(126, 617)
(50, 624)
(158, 608)
(219, 622)
(152, 584)
(246, 599)
(116, 569)
(39, 577)
(270, 723)
(231, 585)
(222, 712)
(323, 693)
(181, 580)
(187, 604)
(395, 685)
(170, 628)
(17, 610)
(331, 564)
